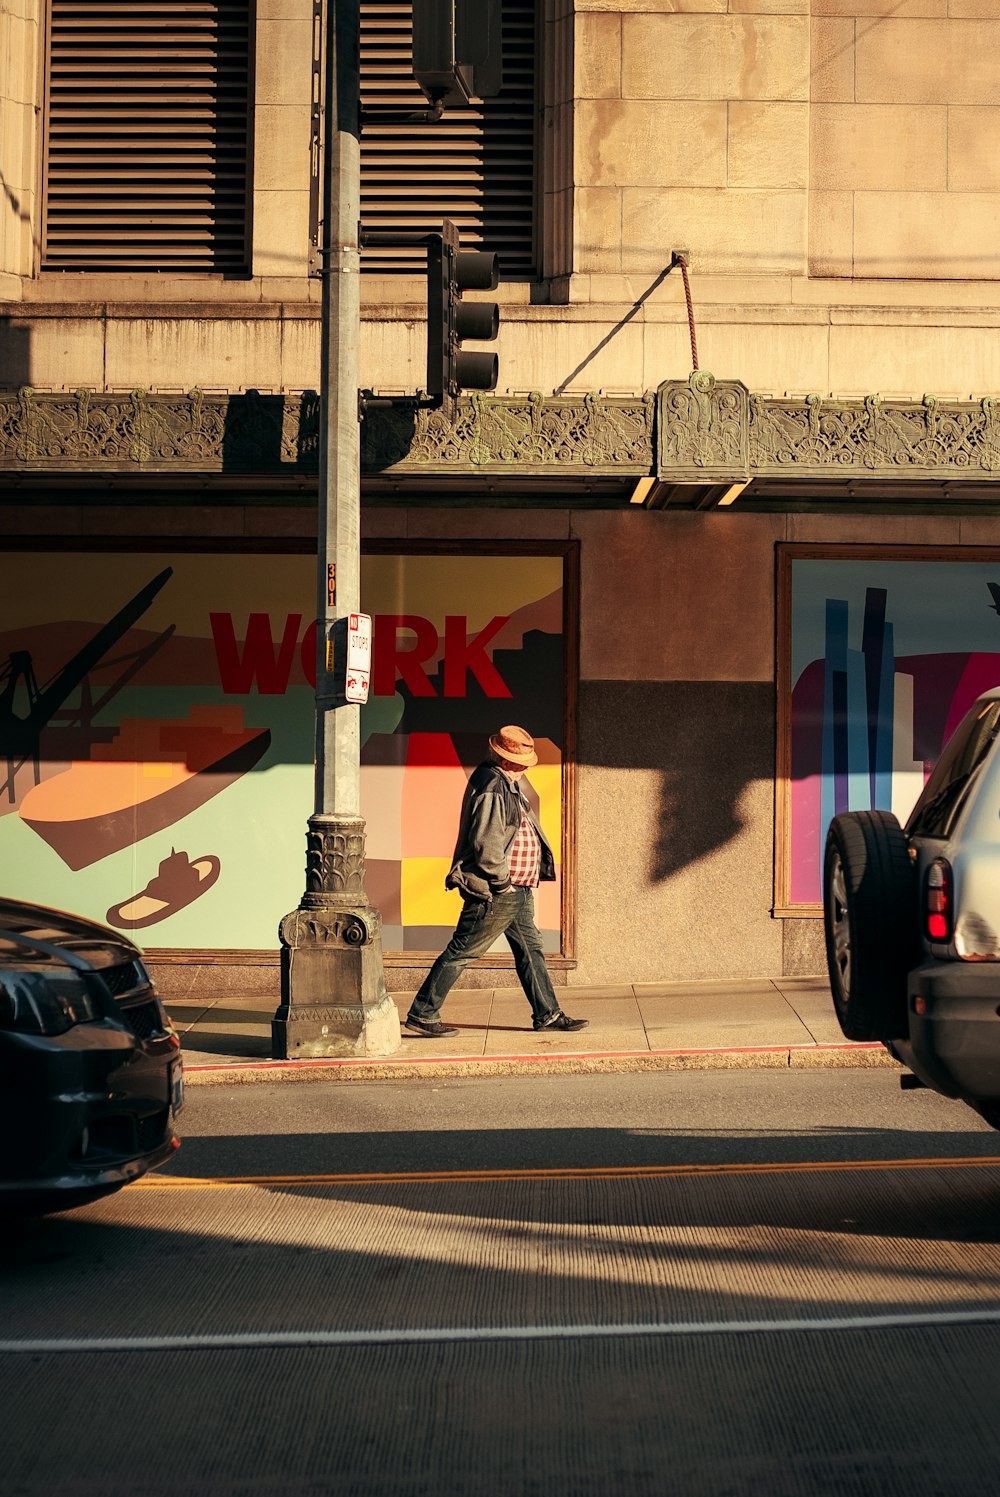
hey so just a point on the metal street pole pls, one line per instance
(333, 994)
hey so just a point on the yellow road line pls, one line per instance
(624, 1172)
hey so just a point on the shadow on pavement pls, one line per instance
(558, 1148)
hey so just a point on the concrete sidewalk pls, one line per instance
(777, 1023)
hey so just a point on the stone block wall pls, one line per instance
(788, 138)
(19, 61)
(282, 90)
(692, 132)
(833, 167)
(905, 140)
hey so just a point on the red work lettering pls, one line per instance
(258, 661)
(462, 655)
(390, 659)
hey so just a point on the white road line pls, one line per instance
(263, 1340)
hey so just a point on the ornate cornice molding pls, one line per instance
(716, 431)
(702, 431)
(695, 431)
(875, 438)
(534, 434)
(274, 434)
(138, 431)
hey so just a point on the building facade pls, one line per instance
(733, 565)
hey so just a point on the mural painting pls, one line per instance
(156, 732)
(884, 656)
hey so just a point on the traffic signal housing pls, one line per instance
(458, 49)
(450, 272)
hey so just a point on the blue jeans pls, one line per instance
(479, 925)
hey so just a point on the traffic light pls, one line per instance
(450, 271)
(458, 49)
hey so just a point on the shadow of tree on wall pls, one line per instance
(709, 740)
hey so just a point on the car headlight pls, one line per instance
(45, 1002)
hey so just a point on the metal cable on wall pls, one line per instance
(682, 262)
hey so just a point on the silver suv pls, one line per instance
(912, 921)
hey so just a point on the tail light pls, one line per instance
(938, 904)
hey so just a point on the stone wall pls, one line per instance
(691, 132)
(905, 140)
(19, 32)
(800, 348)
(831, 165)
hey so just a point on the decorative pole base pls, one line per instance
(333, 995)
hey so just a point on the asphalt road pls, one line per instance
(712, 1283)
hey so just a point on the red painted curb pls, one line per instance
(350, 1062)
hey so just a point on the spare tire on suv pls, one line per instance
(869, 921)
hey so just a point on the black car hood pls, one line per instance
(84, 939)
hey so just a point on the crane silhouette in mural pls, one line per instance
(27, 709)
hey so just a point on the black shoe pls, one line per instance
(563, 1021)
(430, 1031)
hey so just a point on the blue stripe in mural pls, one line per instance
(841, 792)
(859, 779)
(882, 776)
(835, 664)
(872, 640)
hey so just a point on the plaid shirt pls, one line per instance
(525, 855)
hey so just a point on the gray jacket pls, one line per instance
(491, 815)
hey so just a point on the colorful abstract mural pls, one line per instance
(885, 654)
(156, 732)
(463, 645)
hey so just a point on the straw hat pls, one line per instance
(514, 745)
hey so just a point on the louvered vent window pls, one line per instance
(475, 166)
(147, 141)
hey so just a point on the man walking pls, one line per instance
(500, 856)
